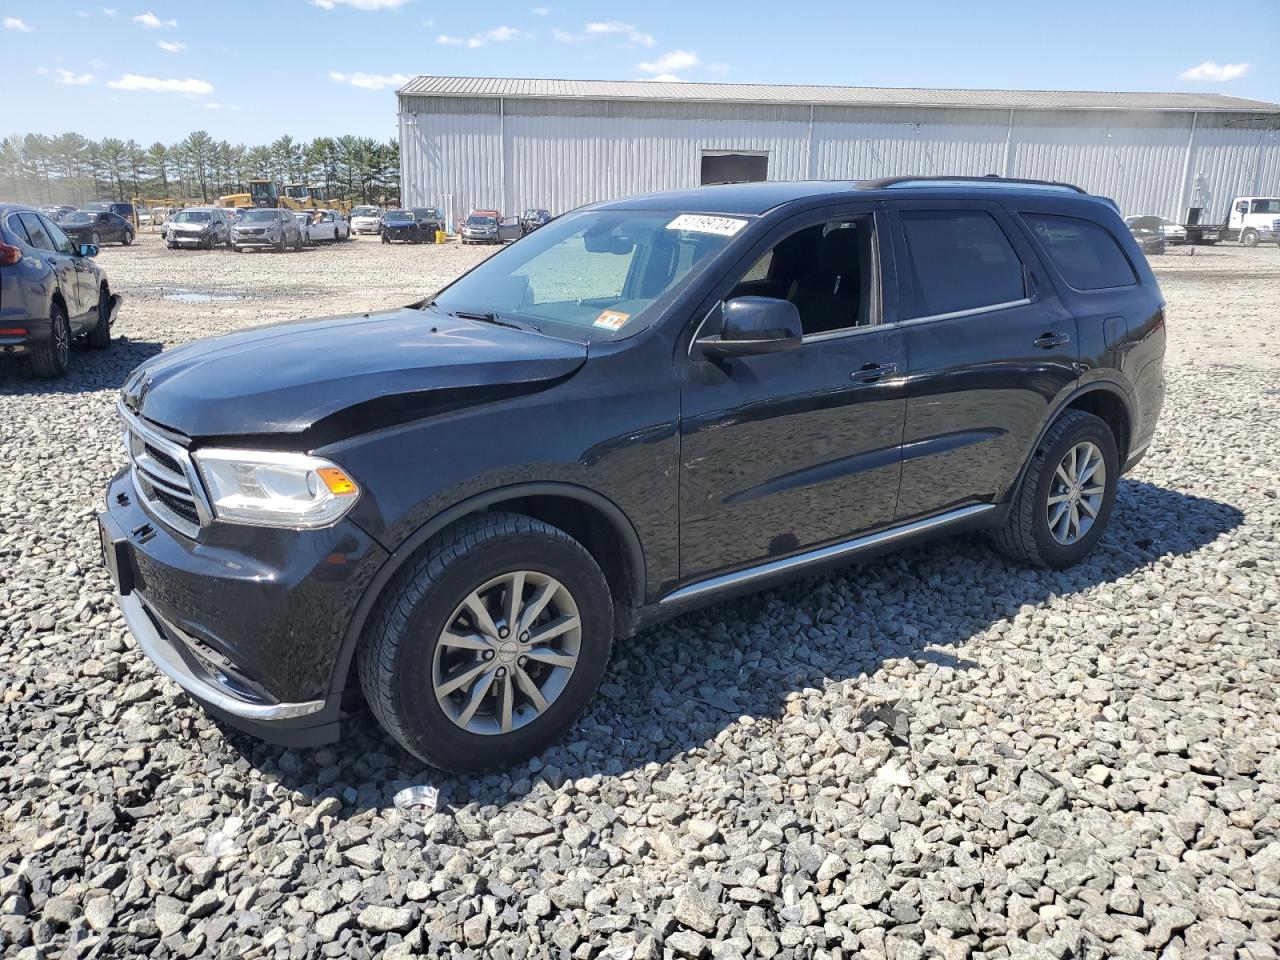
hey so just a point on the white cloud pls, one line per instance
(13, 23)
(540, 11)
(97, 64)
(666, 78)
(360, 4)
(83, 13)
(74, 79)
(215, 105)
(110, 12)
(496, 35)
(633, 35)
(1215, 73)
(563, 36)
(370, 81)
(152, 22)
(133, 82)
(172, 46)
(670, 62)
(720, 68)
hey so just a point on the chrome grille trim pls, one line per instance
(155, 480)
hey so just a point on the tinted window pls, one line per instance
(40, 238)
(960, 260)
(60, 240)
(1086, 255)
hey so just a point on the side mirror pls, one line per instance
(755, 325)
(88, 250)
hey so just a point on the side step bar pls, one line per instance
(846, 548)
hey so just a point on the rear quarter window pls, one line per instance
(1086, 255)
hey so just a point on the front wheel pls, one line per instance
(1249, 238)
(1064, 501)
(486, 648)
(127, 239)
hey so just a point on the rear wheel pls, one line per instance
(489, 645)
(53, 357)
(100, 335)
(1064, 501)
(127, 239)
(1249, 238)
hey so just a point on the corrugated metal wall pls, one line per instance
(559, 154)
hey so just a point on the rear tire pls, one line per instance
(100, 335)
(52, 359)
(1028, 534)
(127, 239)
(404, 661)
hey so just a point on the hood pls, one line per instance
(191, 227)
(288, 377)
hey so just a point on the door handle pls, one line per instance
(1048, 340)
(871, 372)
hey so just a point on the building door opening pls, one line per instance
(734, 167)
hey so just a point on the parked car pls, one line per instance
(1150, 239)
(206, 227)
(366, 220)
(482, 226)
(304, 224)
(330, 225)
(400, 225)
(322, 500)
(97, 227)
(266, 227)
(430, 221)
(61, 210)
(531, 220)
(51, 291)
(1172, 232)
(120, 208)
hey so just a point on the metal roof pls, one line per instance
(430, 86)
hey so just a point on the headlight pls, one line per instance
(268, 488)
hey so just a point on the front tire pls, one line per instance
(127, 239)
(52, 359)
(487, 647)
(1249, 238)
(100, 335)
(1063, 503)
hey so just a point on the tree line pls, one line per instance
(70, 168)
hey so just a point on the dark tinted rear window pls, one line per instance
(960, 260)
(1086, 255)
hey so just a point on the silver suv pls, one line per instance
(206, 227)
(266, 227)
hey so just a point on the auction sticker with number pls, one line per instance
(611, 319)
(699, 223)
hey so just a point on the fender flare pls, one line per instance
(1105, 386)
(411, 544)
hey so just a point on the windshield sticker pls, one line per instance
(611, 319)
(695, 223)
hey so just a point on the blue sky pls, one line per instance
(251, 71)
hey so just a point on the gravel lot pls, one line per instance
(937, 754)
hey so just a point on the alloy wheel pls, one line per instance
(1076, 490)
(62, 340)
(506, 652)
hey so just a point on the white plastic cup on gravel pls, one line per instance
(419, 801)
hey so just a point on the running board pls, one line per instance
(847, 548)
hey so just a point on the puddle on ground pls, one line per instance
(195, 296)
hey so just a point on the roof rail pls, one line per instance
(986, 178)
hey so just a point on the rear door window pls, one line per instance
(1086, 255)
(959, 260)
(40, 238)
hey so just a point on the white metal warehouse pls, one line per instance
(511, 144)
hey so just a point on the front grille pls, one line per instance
(164, 476)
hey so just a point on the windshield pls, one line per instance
(76, 218)
(1266, 206)
(193, 216)
(365, 212)
(424, 213)
(260, 216)
(397, 215)
(98, 207)
(481, 221)
(601, 274)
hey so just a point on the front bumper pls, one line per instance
(249, 621)
(366, 228)
(252, 240)
(189, 239)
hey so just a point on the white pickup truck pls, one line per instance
(1250, 220)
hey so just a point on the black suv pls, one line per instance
(646, 405)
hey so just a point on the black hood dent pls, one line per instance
(331, 373)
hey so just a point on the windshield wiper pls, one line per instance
(488, 316)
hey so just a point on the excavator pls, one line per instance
(262, 193)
